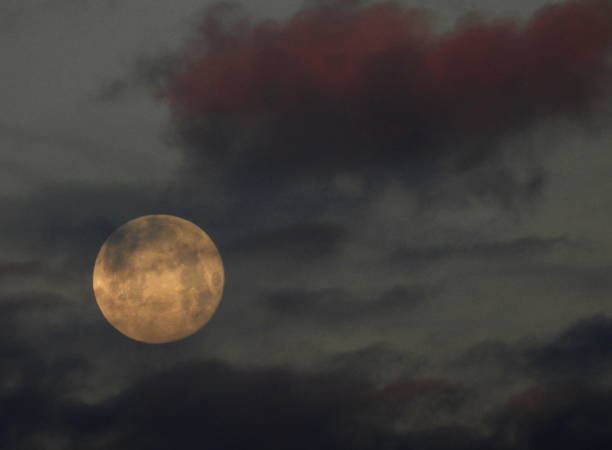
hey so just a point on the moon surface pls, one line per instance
(158, 279)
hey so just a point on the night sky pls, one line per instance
(413, 202)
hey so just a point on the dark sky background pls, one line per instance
(413, 202)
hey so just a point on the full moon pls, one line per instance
(158, 279)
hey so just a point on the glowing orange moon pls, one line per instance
(158, 279)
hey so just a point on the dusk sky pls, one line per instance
(412, 201)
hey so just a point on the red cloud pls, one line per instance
(342, 88)
(387, 56)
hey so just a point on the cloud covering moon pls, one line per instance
(158, 279)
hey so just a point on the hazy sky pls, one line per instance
(413, 203)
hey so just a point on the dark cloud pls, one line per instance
(20, 269)
(25, 302)
(337, 406)
(343, 306)
(589, 281)
(35, 394)
(271, 408)
(416, 387)
(520, 249)
(506, 358)
(373, 90)
(377, 363)
(201, 403)
(206, 403)
(566, 416)
(50, 325)
(582, 350)
(294, 242)
(449, 437)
